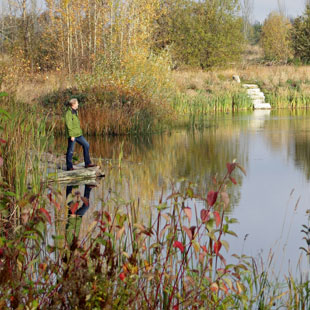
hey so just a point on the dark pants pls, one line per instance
(82, 141)
(82, 210)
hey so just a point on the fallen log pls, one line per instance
(79, 173)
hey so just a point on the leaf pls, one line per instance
(211, 198)
(3, 141)
(230, 167)
(225, 198)
(164, 230)
(188, 213)
(108, 217)
(217, 218)
(217, 247)
(120, 233)
(241, 168)
(225, 244)
(204, 248)
(239, 287)
(188, 232)
(46, 214)
(74, 208)
(179, 245)
(204, 215)
(193, 229)
(233, 180)
(196, 246)
(122, 276)
(214, 287)
(228, 282)
(224, 288)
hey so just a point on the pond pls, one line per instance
(270, 202)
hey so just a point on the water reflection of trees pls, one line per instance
(150, 164)
(291, 130)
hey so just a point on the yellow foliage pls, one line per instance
(275, 38)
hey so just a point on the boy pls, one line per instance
(74, 134)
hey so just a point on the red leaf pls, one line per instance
(233, 180)
(85, 200)
(178, 245)
(2, 141)
(74, 208)
(217, 218)
(224, 288)
(43, 211)
(1, 161)
(192, 229)
(122, 276)
(175, 307)
(204, 248)
(230, 167)
(217, 246)
(204, 215)
(211, 198)
(50, 197)
(108, 217)
(57, 205)
(188, 213)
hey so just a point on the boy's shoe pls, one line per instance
(90, 165)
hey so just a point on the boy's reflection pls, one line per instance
(75, 212)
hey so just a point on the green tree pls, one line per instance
(275, 39)
(204, 33)
(301, 36)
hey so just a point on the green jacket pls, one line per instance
(73, 127)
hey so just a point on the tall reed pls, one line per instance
(27, 137)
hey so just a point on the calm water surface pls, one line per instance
(270, 203)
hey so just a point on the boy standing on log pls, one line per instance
(74, 134)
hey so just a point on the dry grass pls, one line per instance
(269, 75)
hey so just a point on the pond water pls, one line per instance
(270, 202)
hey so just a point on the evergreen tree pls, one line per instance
(301, 36)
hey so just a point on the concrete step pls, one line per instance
(253, 86)
(263, 105)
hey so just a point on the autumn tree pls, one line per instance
(204, 33)
(275, 38)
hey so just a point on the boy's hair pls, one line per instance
(72, 102)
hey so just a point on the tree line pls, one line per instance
(76, 34)
(286, 40)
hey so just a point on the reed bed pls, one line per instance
(284, 86)
(26, 136)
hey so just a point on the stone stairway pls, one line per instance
(257, 96)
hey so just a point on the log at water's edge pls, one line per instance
(80, 173)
